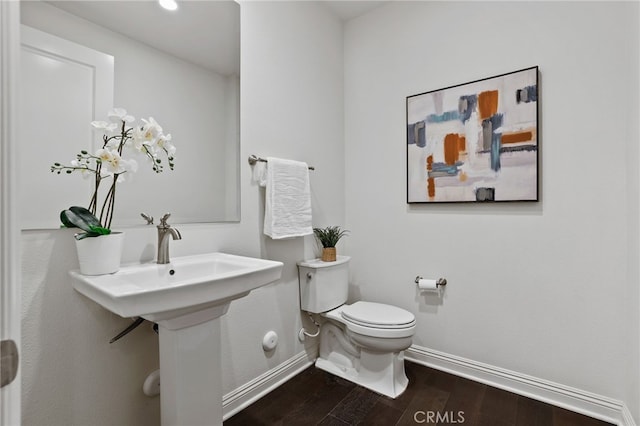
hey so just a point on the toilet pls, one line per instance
(363, 342)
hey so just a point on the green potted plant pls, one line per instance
(99, 254)
(329, 237)
(96, 256)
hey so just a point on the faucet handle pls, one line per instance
(163, 220)
(148, 218)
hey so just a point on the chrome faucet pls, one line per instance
(164, 230)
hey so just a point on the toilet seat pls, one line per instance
(375, 320)
(378, 315)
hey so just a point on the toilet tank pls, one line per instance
(323, 285)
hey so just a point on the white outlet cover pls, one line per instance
(151, 386)
(270, 341)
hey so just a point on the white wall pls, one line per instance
(291, 106)
(547, 289)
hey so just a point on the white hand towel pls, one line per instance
(260, 173)
(288, 199)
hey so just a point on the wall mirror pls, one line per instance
(180, 67)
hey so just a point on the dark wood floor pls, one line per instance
(317, 398)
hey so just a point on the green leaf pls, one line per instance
(86, 215)
(75, 221)
(99, 230)
(65, 220)
(79, 217)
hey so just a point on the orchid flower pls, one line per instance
(150, 131)
(108, 161)
(120, 114)
(164, 142)
(104, 126)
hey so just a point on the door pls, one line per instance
(64, 86)
(9, 225)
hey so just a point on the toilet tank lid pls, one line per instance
(319, 263)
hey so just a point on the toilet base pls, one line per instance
(382, 373)
(385, 382)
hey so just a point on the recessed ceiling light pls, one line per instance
(168, 4)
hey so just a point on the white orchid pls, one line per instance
(108, 161)
(111, 161)
(164, 142)
(148, 133)
(124, 167)
(104, 155)
(104, 126)
(120, 114)
(140, 140)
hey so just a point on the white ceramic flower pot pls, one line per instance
(100, 255)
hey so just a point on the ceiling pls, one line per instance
(350, 9)
(183, 33)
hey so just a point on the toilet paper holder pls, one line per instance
(439, 282)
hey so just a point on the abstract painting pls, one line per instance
(475, 142)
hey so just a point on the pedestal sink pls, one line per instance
(186, 298)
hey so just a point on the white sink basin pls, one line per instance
(187, 285)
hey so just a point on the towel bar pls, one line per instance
(253, 160)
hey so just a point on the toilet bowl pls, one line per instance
(363, 342)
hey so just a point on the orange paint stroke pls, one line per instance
(431, 182)
(431, 187)
(451, 150)
(488, 104)
(515, 137)
(430, 163)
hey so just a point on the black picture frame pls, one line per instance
(475, 142)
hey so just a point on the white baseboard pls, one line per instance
(573, 399)
(250, 392)
(577, 400)
(627, 418)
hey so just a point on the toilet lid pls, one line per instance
(378, 315)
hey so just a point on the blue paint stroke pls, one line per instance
(444, 169)
(416, 134)
(527, 94)
(466, 105)
(518, 148)
(441, 118)
(492, 141)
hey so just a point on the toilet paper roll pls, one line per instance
(427, 285)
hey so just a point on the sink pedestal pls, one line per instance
(186, 298)
(191, 372)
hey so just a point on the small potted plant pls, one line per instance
(329, 237)
(109, 163)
